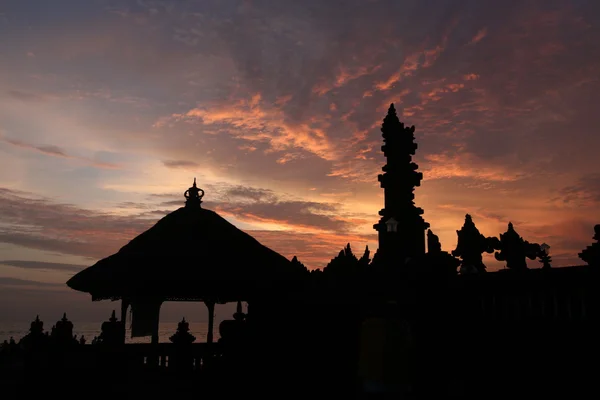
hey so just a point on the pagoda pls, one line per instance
(401, 227)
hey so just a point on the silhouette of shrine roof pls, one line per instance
(190, 254)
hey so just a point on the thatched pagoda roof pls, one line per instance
(190, 254)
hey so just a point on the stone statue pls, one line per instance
(433, 243)
(471, 245)
(436, 262)
(515, 250)
(591, 254)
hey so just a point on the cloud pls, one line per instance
(465, 165)
(288, 96)
(55, 151)
(37, 222)
(585, 192)
(253, 120)
(40, 223)
(255, 194)
(422, 59)
(297, 214)
(479, 36)
(42, 265)
(7, 281)
(26, 96)
(180, 164)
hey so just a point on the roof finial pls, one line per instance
(193, 196)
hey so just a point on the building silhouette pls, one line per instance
(401, 228)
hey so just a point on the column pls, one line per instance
(124, 306)
(211, 320)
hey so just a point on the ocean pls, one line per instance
(90, 329)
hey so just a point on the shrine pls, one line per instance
(192, 254)
(62, 331)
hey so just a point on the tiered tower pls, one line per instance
(401, 227)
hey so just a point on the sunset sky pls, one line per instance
(110, 108)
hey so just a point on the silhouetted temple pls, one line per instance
(415, 322)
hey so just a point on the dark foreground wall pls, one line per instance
(493, 336)
(306, 347)
(501, 334)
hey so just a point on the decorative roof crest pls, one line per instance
(193, 196)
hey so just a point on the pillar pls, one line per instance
(124, 306)
(211, 320)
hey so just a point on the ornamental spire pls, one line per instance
(401, 228)
(193, 196)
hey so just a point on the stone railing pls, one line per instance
(129, 357)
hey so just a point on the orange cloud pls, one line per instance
(420, 59)
(255, 121)
(479, 36)
(410, 65)
(343, 77)
(470, 77)
(465, 165)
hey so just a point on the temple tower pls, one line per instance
(401, 227)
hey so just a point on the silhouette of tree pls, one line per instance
(591, 254)
(471, 245)
(544, 256)
(514, 249)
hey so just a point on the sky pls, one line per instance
(110, 108)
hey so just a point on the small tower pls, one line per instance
(193, 196)
(63, 331)
(401, 227)
(183, 335)
(37, 327)
(112, 331)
